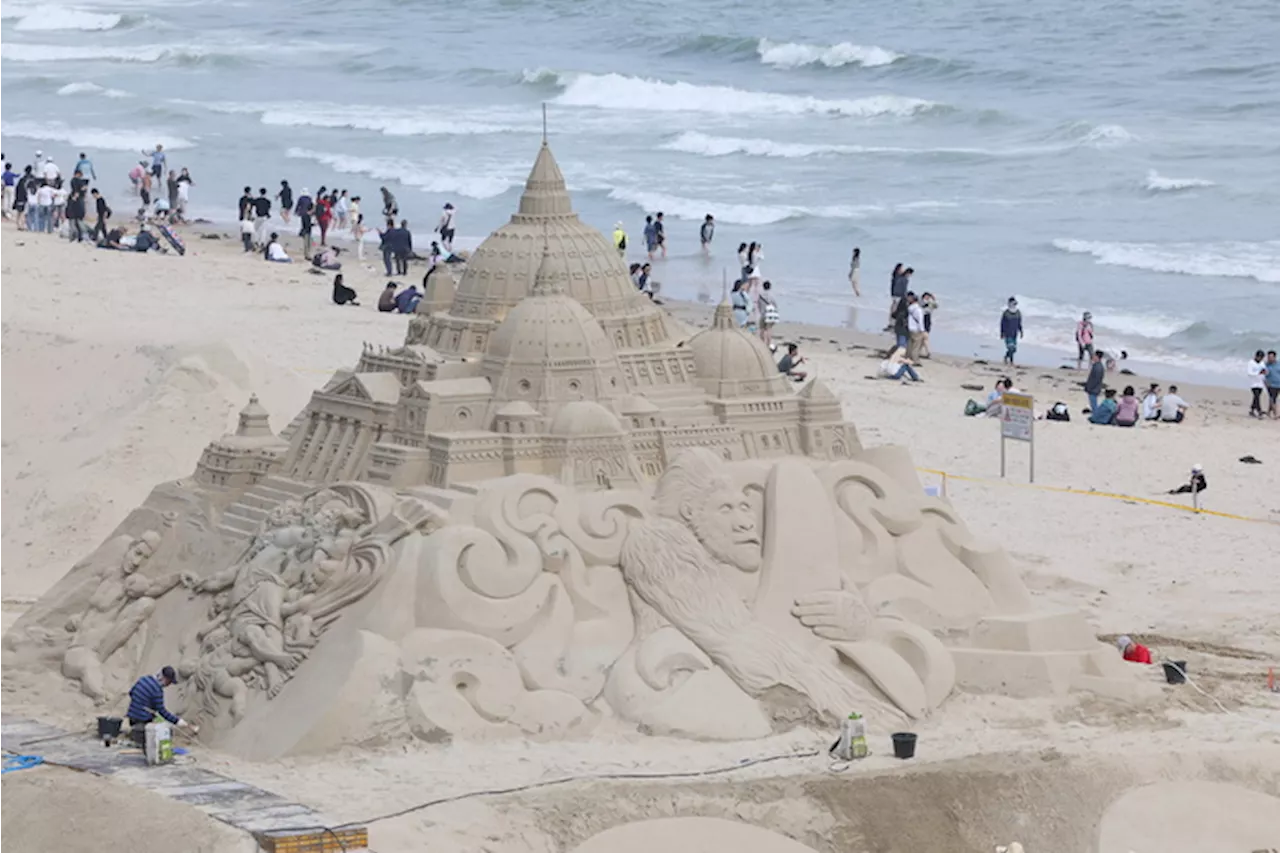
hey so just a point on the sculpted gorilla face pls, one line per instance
(725, 523)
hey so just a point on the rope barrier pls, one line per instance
(1090, 492)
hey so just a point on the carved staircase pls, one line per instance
(242, 519)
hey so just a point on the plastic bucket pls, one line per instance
(904, 745)
(109, 727)
(1175, 672)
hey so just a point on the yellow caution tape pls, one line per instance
(1168, 504)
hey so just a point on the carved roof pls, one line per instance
(732, 363)
(583, 417)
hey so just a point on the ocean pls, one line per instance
(1116, 156)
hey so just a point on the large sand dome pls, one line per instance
(499, 272)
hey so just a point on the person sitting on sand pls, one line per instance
(1172, 407)
(1127, 412)
(789, 362)
(1133, 652)
(387, 301)
(327, 259)
(1195, 485)
(275, 252)
(145, 241)
(995, 400)
(1151, 403)
(343, 295)
(407, 300)
(895, 367)
(114, 238)
(1105, 412)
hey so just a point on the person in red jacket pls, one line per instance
(1133, 652)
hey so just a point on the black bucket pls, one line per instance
(904, 745)
(109, 727)
(1175, 672)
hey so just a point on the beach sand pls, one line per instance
(118, 369)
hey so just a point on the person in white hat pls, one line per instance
(1196, 484)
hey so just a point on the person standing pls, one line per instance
(246, 203)
(261, 218)
(305, 208)
(184, 194)
(403, 248)
(157, 161)
(707, 233)
(387, 238)
(76, 210)
(445, 228)
(44, 208)
(85, 166)
(915, 328)
(10, 189)
(324, 214)
(357, 226)
(743, 249)
(660, 228)
(23, 203)
(754, 275)
(285, 198)
(342, 210)
(620, 239)
(144, 190)
(767, 307)
(1257, 371)
(1011, 329)
(855, 272)
(171, 185)
(650, 236)
(1084, 338)
(246, 230)
(897, 292)
(1097, 378)
(929, 304)
(1273, 384)
(103, 213)
(902, 324)
(51, 174)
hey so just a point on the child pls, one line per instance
(246, 229)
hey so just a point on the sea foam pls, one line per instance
(47, 17)
(624, 92)
(432, 179)
(1228, 259)
(87, 88)
(1157, 182)
(792, 55)
(92, 137)
(389, 121)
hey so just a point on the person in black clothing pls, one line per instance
(390, 240)
(246, 201)
(285, 197)
(75, 210)
(343, 295)
(79, 183)
(1197, 483)
(306, 207)
(403, 248)
(21, 191)
(261, 218)
(103, 212)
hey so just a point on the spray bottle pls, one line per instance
(852, 743)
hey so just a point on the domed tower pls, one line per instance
(731, 363)
(549, 350)
(501, 271)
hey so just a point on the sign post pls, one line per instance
(1017, 423)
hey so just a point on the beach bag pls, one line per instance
(1058, 412)
(972, 409)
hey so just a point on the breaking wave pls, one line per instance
(624, 92)
(45, 18)
(407, 173)
(92, 137)
(1157, 182)
(143, 53)
(706, 145)
(1093, 135)
(390, 121)
(792, 55)
(86, 88)
(1228, 259)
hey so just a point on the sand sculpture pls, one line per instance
(553, 508)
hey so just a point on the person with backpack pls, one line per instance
(620, 239)
(767, 307)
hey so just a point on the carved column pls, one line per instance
(318, 442)
(342, 445)
(364, 438)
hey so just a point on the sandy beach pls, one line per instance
(119, 368)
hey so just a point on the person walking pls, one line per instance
(1084, 339)
(650, 236)
(660, 228)
(85, 166)
(707, 233)
(158, 159)
(1097, 378)
(305, 208)
(855, 272)
(285, 199)
(103, 213)
(1272, 382)
(915, 328)
(445, 228)
(1257, 371)
(1011, 329)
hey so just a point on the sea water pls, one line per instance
(1116, 156)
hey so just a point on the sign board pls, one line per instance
(1016, 416)
(1017, 423)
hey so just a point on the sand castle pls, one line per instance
(554, 508)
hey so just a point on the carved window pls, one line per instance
(574, 385)
(524, 386)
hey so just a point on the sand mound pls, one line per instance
(690, 835)
(1190, 817)
(51, 810)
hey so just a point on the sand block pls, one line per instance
(1034, 632)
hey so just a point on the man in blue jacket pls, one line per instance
(146, 701)
(1011, 329)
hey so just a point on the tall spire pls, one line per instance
(544, 192)
(723, 318)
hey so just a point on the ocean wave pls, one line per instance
(1157, 182)
(694, 142)
(92, 137)
(143, 53)
(1151, 325)
(390, 121)
(1227, 259)
(417, 175)
(693, 209)
(46, 18)
(1092, 135)
(792, 55)
(87, 88)
(619, 91)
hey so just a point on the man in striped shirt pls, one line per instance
(146, 700)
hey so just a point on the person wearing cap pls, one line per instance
(1133, 652)
(1084, 339)
(1195, 485)
(146, 701)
